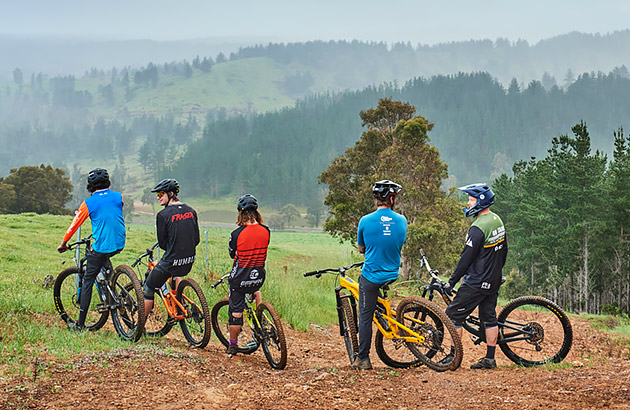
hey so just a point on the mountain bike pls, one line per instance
(186, 305)
(116, 292)
(261, 326)
(532, 330)
(416, 333)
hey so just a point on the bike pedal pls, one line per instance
(252, 344)
(101, 308)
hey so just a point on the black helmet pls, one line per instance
(167, 185)
(385, 188)
(246, 203)
(97, 176)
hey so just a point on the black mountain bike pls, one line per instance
(116, 292)
(532, 330)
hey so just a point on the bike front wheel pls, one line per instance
(348, 329)
(196, 325)
(128, 316)
(442, 348)
(534, 331)
(247, 342)
(273, 341)
(66, 294)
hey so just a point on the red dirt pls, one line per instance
(318, 376)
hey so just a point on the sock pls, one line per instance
(233, 342)
(490, 352)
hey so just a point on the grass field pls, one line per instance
(30, 326)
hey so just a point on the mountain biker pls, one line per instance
(480, 264)
(104, 207)
(177, 234)
(248, 247)
(380, 235)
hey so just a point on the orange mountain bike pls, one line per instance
(186, 305)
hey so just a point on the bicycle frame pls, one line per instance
(390, 327)
(173, 306)
(472, 324)
(250, 308)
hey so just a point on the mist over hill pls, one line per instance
(281, 111)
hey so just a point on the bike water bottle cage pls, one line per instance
(484, 195)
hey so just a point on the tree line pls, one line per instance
(481, 129)
(567, 221)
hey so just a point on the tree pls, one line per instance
(148, 198)
(39, 189)
(395, 146)
(7, 198)
(289, 212)
(314, 213)
(18, 77)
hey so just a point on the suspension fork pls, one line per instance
(353, 305)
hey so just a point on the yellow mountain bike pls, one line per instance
(418, 332)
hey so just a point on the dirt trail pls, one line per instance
(318, 376)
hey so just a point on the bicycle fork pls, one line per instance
(353, 305)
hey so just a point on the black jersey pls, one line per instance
(178, 235)
(481, 262)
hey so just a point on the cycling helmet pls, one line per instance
(484, 195)
(97, 176)
(385, 188)
(167, 185)
(247, 202)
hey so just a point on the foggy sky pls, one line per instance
(417, 21)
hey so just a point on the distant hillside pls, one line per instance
(481, 130)
(302, 100)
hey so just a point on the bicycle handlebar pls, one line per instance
(319, 273)
(83, 241)
(217, 283)
(147, 253)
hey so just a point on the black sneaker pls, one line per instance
(232, 350)
(447, 359)
(362, 364)
(484, 363)
(75, 327)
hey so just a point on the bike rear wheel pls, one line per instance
(247, 342)
(535, 331)
(273, 341)
(348, 329)
(441, 339)
(128, 317)
(196, 326)
(66, 296)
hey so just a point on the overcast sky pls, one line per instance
(417, 21)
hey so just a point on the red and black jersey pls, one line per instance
(248, 247)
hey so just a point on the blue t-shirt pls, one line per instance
(108, 225)
(383, 233)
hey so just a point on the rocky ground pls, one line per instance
(596, 374)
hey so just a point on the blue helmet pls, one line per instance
(484, 195)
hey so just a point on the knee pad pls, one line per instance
(235, 321)
(148, 293)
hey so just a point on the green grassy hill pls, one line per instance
(30, 326)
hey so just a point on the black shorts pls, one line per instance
(237, 299)
(158, 277)
(466, 300)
